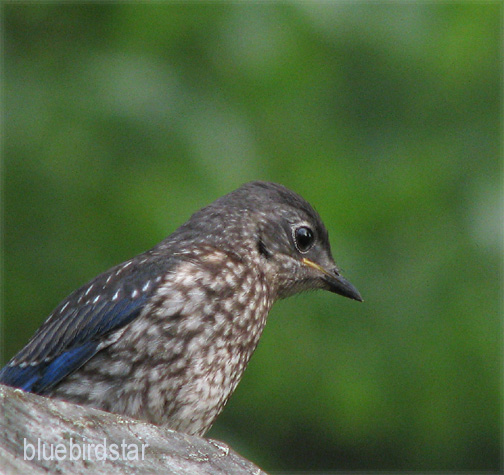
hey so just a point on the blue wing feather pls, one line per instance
(63, 365)
(74, 331)
(44, 376)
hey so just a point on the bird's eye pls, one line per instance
(304, 238)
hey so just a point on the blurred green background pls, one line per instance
(120, 120)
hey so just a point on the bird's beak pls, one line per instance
(336, 282)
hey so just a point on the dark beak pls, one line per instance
(335, 282)
(339, 285)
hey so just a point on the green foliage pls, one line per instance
(121, 119)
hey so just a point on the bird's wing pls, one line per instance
(77, 328)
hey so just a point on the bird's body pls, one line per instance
(165, 337)
(180, 359)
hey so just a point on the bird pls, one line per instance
(166, 336)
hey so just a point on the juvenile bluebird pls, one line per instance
(166, 336)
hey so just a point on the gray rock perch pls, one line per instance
(40, 435)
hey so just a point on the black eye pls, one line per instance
(303, 238)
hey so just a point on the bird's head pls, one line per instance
(281, 232)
